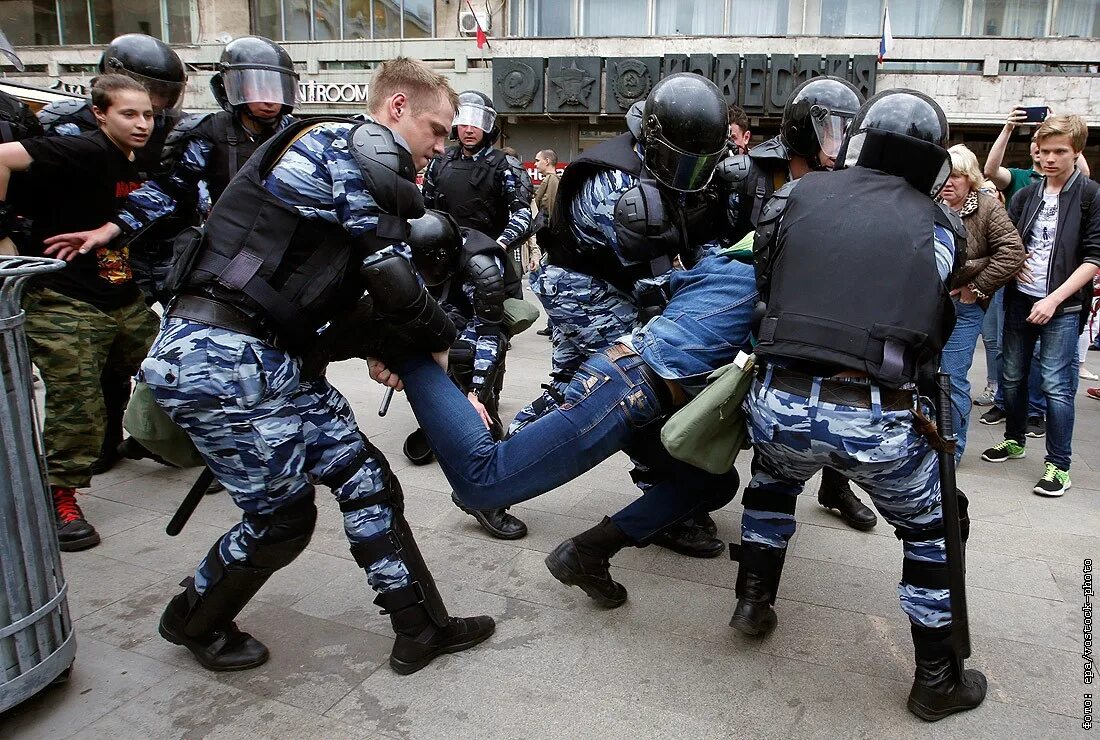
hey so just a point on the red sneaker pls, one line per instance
(1094, 393)
(73, 531)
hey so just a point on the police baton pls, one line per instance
(190, 502)
(385, 405)
(956, 559)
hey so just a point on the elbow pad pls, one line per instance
(484, 274)
(400, 298)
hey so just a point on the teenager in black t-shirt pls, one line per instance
(89, 314)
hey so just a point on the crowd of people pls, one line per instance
(854, 255)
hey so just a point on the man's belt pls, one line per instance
(839, 392)
(221, 315)
(669, 395)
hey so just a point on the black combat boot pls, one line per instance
(690, 538)
(204, 623)
(835, 494)
(757, 583)
(497, 522)
(424, 630)
(706, 522)
(940, 684)
(585, 562)
(116, 394)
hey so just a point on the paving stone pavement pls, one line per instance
(664, 665)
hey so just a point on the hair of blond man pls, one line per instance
(965, 162)
(1072, 126)
(424, 87)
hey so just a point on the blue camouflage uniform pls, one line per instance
(267, 433)
(879, 449)
(476, 334)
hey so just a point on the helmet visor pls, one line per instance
(167, 97)
(829, 125)
(251, 85)
(475, 115)
(677, 169)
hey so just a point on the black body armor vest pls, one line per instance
(16, 120)
(261, 256)
(853, 277)
(467, 189)
(233, 145)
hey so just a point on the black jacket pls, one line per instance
(1074, 242)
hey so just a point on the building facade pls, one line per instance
(563, 71)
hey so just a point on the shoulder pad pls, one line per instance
(644, 228)
(513, 161)
(777, 203)
(736, 169)
(951, 221)
(68, 111)
(186, 126)
(387, 170)
(773, 148)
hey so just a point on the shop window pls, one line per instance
(616, 18)
(328, 20)
(851, 17)
(688, 18)
(71, 22)
(1079, 18)
(758, 17)
(927, 18)
(1015, 18)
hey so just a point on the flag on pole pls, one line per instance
(482, 39)
(887, 39)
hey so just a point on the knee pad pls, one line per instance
(285, 534)
(757, 499)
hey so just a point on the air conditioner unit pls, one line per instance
(468, 21)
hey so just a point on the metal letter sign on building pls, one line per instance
(312, 91)
(757, 82)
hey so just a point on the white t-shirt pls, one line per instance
(1040, 244)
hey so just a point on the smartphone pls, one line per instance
(1036, 113)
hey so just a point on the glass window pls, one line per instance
(356, 19)
(112, 18)
(616, 18)
(688, 18)
(852, 18)
(29, 22)
(387, 19)
(179, 21)
(74, 21)
(927, 18)
(266, 19)
(758, 17)
(549, 18)
(1019, 18)
(326, 20)
(419, 15)
(1077, 18)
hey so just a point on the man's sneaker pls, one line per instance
(994, 416)
(1093, 393)
(1007, 450)
(1036, 427)
(1054, 482)
(986, 399)
(73, 531)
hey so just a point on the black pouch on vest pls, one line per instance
(185, 248)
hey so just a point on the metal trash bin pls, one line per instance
(37, 644)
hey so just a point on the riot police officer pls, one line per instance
(839, 361)
(152, 63)
(471, 276)
(257, 87)
(625, 210)
(282, 255)
(17, 123)
(474, 181)
(813, 124)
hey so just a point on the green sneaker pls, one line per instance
(1054, 482)
(1007, 450)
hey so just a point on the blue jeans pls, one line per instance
(1057, 374)
(957, 357)
(609, 406)
(992, 328)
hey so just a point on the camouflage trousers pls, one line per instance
(268, 436)
(587, 315)
(72, 342)
(794, 437)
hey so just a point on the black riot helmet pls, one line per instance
(152, 63)
(435, 241)
(254, 69)
(683, 127)
(476, 109)
(904, 133)
(816, 116)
